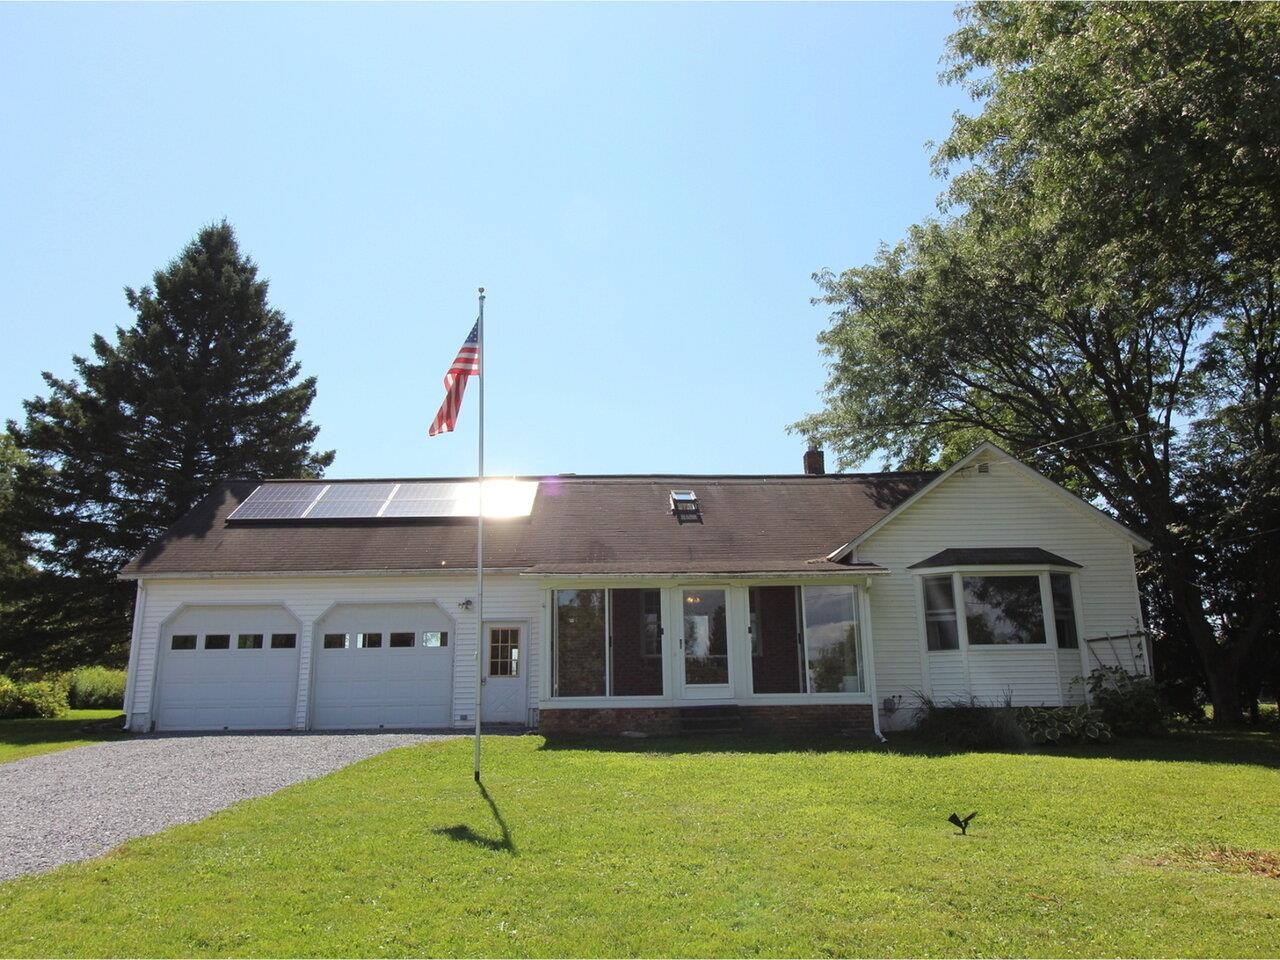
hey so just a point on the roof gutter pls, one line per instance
(712, 574)
(440, 572)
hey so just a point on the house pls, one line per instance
(617, 603)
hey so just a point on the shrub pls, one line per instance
(96, 688)
(1056, 725)
(971, 725)
(1131, 705)
(32, 698)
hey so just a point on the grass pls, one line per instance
(26, 738)
(702, 848)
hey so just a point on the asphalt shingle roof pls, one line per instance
(579, 524)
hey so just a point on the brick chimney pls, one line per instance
(814, 462)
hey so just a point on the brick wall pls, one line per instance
(809, 718)
(805, 718)
(649, 720)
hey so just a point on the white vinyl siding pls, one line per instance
(1001, 508)
(308, 598)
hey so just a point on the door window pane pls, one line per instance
(217, 641)
(940, 627)
(335, 641)
(578, 638)
(1064, 611)
(249, 641)
(402, 638)
(831, 637)
(183, 641)
(504, 652)
(435, 638)
(777, 648)
(636, 636)
(368, 641)
(706, 637)
(284, 641)
(1003, 610)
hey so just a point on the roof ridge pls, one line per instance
(600, 477)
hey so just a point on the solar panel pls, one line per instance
(351, 501)
(457, 498)
(279, 501)
(415, 499)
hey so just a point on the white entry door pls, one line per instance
(704, 643)
(504, 697)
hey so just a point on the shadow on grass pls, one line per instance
(26, 733)
(1187, 745)
(464, 834)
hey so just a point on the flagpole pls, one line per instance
(480, 360)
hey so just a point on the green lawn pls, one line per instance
(26, 738)
(702, 848)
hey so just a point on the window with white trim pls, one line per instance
(1003, 609)
(940, 628)
(607, 643)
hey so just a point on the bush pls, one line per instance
(970, 725)
(96, 688)
(1057, 725)
(33, 698)
(1131, 705)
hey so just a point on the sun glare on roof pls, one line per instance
(508, 498)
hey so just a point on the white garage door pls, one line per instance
(382, 665)
(228, 668)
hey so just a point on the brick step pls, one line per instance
(711, 719)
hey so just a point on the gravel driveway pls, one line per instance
(75, 804)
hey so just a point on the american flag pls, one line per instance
(465, 364)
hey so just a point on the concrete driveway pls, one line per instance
(75, 804)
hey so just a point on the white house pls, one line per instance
(630, 602)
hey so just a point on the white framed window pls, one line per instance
(990, 608)
(607, 642)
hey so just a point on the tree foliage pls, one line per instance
(203, 386)
(1100, 295)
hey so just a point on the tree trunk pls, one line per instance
(1224, 692)
(1221, 663)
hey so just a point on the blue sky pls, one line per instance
(644, 190)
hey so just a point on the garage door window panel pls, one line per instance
(368, 641)
(249, 641)
(284, 641)
(435, 638)
(217, 641)
(401, 638)
(336, 641)
(183, 641)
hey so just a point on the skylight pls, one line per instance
(685, 506)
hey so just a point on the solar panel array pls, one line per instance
(384, 499)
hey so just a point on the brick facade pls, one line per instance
(609, 721)
(801, 718)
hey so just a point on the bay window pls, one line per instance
(1064, 610)
(941, 631)
(1003, 609)
(998, 609)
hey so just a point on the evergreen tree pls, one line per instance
(203, 386)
